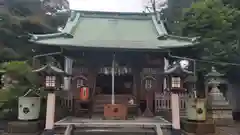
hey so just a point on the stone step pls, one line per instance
(112, 130)
(107, 131)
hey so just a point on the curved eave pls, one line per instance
(188, 44)
(163, 44)
(65, 38)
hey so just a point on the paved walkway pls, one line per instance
(230, 130)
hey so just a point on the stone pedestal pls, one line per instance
(222, 115)
(24, 127)
(219, 108)
(220, 112)
(205, 127)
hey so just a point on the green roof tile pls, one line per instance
(113, 30)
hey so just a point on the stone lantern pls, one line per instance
(52, 78)
(176, 75)
(213, 80)
(218, 106)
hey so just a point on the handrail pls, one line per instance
(69, 130)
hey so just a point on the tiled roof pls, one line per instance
(113, 30)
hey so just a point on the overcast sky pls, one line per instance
(110, 5)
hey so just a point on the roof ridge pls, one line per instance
(71, 23)
(159, 29)
(159, 25)
(110, 12)
(65, 33)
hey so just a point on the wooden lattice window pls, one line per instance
(50, 81)
(176, 82)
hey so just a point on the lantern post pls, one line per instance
(176, 75)
(52, 79)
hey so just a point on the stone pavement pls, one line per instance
(225, 130)
(230, 130)
(220, 131)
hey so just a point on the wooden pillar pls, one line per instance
(50, 114)
(175, 114)
(137, 83)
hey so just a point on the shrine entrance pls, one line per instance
(123, 84)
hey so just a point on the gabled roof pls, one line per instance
(113, 30)
(50, 69)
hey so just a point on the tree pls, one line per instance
(18, 78)
(19, 18)
(217, 26)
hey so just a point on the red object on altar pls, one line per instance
(84, 93)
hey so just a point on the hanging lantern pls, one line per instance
(84, 93)
(176, 75)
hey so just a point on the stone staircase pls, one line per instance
(109, 127)
(100, 100)
(105, 131)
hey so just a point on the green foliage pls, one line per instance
(22, 79)
(8, 54)
(22, 72)
(217, 26)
